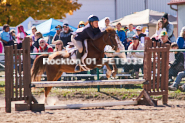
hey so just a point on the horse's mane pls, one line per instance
(110, 29)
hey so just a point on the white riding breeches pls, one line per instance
(76, 43)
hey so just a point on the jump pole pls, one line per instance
(103, 104)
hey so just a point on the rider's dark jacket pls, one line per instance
(88, 32)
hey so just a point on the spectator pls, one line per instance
(34, 30)
(5, 36)
(126, 29)
(140, 34)
(12, 33)
(130, 32)
(44, 47)
(181, 39)
(57, 35)
(38, 36)
(159, 28)
(121, 34)
(175, 84)
(169, 28)
(107, 23)
(66, 34)
(136, 45)
(177, 65)
(164, 38)
(58, 46)
(20, 36)
(33, 49)
(81, 24)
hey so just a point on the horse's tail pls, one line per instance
(38, 67)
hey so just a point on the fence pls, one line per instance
(156, 55)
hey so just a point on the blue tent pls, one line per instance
(47, 28)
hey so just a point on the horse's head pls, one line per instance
(110, 38)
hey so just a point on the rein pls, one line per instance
(104, 42)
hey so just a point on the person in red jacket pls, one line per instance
(44, 47)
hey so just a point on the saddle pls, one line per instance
(72, 50)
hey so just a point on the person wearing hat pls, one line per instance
(65, 35)
(181, 39)
(90, 31)
(169, 28)
(136, 45)
(5, 36)
(164, 38)
(57, 35)
(106, 24)
(140, 34)
(43, 46)
(81, 24)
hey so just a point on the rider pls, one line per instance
(90, 31)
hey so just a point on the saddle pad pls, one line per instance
(72, 51)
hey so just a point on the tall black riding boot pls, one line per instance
(78, 56)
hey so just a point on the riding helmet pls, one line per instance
(93, 18)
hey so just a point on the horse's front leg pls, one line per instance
(115, 69)
(109, 70)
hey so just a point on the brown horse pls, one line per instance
(54, 72)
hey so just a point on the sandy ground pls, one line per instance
(173, 113)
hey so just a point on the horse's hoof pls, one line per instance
(114, 74)
(113, 78)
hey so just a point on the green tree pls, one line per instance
(13, 12)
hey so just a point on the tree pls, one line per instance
(13, 12)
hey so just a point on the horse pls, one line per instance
(54, 72)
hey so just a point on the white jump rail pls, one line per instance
(87, 83)
(103, 104)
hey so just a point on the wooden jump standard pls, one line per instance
(17, 88)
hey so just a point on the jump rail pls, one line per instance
(87, 83)
(17, 88)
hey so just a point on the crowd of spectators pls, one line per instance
(133, 38)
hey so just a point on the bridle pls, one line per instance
(102, 51)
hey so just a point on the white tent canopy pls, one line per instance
(25, 24)
(145, 17)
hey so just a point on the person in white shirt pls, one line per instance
(106, 24)
(140, 34)
(159, 28)
(134, 57)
